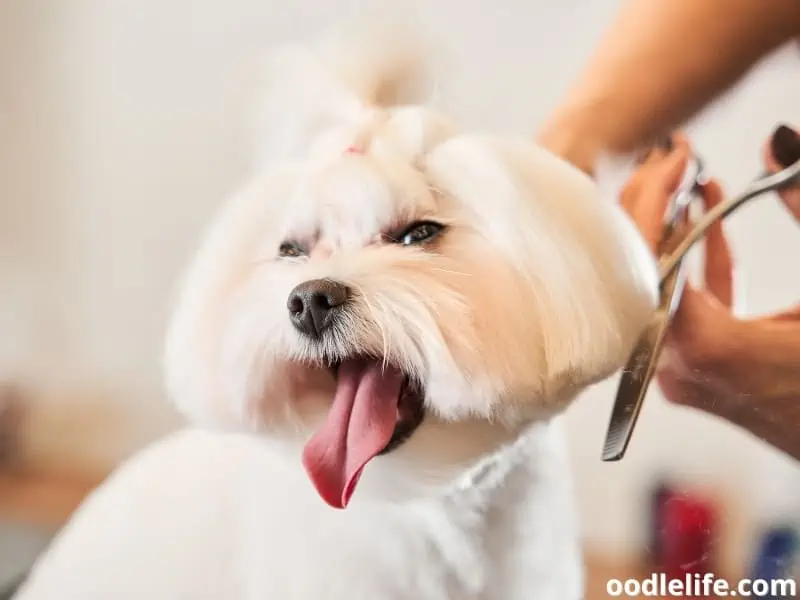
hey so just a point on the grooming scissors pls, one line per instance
(641, 365)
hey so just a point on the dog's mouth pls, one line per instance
(376, 407)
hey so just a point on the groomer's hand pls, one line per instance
(744, 370)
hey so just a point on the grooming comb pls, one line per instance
(640, 368)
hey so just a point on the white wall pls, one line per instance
(129, 125)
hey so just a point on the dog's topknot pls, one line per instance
(342, 85)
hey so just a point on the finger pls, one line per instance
(655, 153)
(790, 196)
(663, 148)
(698, 316)
(650, 155)
(657, 193)
(685, 389)
(673, 389)
(718, 262)
(662, 182)
(791, 314)
(674, 167)
(781, 151)
(648, 193)
(785, 146)
(689, 313)
(700, 332)
(679, 140)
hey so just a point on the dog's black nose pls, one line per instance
(313, 305)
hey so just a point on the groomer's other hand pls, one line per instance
(746, 371)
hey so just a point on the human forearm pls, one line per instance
(660, 63)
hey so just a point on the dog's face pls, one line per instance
(409, 305)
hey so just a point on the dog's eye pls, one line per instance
(290, 250)
(419, 233)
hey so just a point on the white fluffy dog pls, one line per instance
(382, 328)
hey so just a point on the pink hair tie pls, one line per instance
(353, 150)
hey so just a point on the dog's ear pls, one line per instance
(337, 87)
(591, 280)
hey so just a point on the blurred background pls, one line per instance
(124, 124)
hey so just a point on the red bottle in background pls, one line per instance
(687, 531)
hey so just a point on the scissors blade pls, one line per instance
(639, 370)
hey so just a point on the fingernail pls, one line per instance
(785, 146)
(666, 143)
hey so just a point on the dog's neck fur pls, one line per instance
(474, 541)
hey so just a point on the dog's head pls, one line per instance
(395, 292)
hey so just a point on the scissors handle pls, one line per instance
(762, 185)
(693, 178)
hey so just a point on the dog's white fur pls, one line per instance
(537, 289)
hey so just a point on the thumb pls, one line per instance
(718, 260)
(690, 312)
(697, 324)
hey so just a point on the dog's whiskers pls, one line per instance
(450, 271)
(377, 321)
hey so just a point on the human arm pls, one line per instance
(660, 63)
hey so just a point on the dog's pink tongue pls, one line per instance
(360, 423)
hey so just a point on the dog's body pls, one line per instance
(208, 516)
(401, 309)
